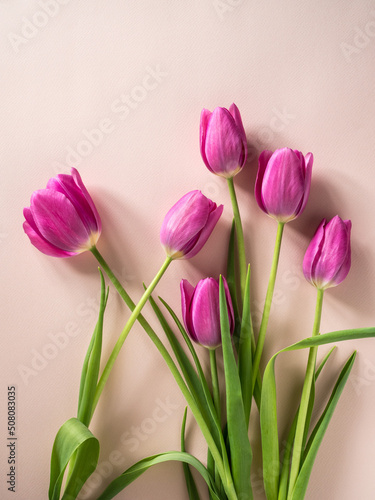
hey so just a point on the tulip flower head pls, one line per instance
(62, 219)
(201, 311)
(283, 182)
(328, 257)
(188, 225)
(223, 141)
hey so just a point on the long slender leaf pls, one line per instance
(232, 283)
(190, 483)
(72, 439)
(231, 280)
(284, 476)
(268, 411)
(188, 370)
(316, 438)
(142, 466)
(91, 366)
(241, 454)
(245, 353)
(210, 428)
(208, 403)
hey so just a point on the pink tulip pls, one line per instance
(328, 257)
(201, 311)
(283, 183)
(223, 141)
(188, 225)
(62, 219)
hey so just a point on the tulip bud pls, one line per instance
(328, 257)
(188, 225)
(201, 311)
(223, 141)
(62, 219)
(283, 183)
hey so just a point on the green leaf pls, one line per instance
(317, 435)
(245, 354)
(269, 432)
(72, 439)
(284, 476)
(142, 466)
(91, 365)
(190, 483)
(268, 410)
(240, 449)
(232, 282)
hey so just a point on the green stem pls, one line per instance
(134, 315)
(227, 481)
(302, 413)
(120, 289)
(267, 305)
(240, 238)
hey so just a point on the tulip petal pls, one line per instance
(344, 270)
(66, 185)
(235, 112)
(263, 161)
(183, 222)
(187, 293)
(223, 144)
(205, 313)
(205, 233)
(205, 118)
(309, 159)
(283, 185)
(313, 252)
(78, 180)
(333, 253)
(58, 221)
(37, 239)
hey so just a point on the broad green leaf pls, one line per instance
(72, 439)
(284, 476)
(190, 483)
(268, 411)
(142, 466)
(317, 435)
(91, 365)
(240, 449)
(245, 353)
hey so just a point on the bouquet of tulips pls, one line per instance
(62, 221)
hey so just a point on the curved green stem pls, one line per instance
(240, 238)
(302, 413)
(268, 302)
(108, 271)
(134, 315)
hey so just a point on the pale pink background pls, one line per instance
(302, 74)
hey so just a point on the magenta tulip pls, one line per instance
(201, 311)
(328, 257)
(188, 225)
(223, 141)
(283, 183)
(62, 219)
